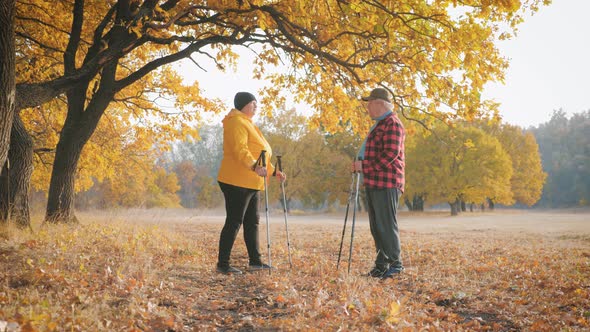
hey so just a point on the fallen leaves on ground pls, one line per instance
(145, 276)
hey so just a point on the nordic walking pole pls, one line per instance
(280, 166)
(262, 161)
(356, 197)
(351, 193)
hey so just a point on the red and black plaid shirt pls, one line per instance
(384, 160)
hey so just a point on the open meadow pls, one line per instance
(154, 270)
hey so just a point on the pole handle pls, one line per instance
(261, 159)
(278, 165)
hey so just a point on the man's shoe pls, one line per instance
(228, 270)
(258, 267)
(392, 272)
(377, 272)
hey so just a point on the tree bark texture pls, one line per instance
(60, 203)
(14, 181)
(419, 202)
(7, 72)
(455, 207)
(416, 203)
(491, 204)
(408, 204)
(79, 126)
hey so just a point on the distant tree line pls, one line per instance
(196, 163)
(317, 165)
(479, 164)
(565, 153)
(465, 165)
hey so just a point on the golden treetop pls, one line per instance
(434, 56)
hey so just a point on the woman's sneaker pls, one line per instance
(258, 267)
(228, 270)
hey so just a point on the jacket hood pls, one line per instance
(234, 113)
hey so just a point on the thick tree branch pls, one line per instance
(170, 40)
(173, 20)
(74, 41)
(185, 53)
(169, 4)
(98, 33)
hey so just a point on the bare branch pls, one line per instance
(170, 40)
(38, 21)
(25, 36)
(196, 64)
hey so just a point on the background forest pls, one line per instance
(477, 164)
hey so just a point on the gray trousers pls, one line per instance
(382, 208)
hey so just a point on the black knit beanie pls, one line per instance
(242, 99)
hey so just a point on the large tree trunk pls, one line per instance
(15, 181)
(82, 118)
(416, 204)
(79, 126)
(60, 202)
(455, 206)
(419, 202)
(491, 204)
(7, 80)
(409, 204)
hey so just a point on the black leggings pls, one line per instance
(241, 207)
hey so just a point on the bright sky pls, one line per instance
(549, 65)
(549, 68)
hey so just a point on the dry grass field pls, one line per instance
(154, 271)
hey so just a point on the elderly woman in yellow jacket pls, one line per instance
(241, 179)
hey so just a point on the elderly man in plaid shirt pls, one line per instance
(382, 165)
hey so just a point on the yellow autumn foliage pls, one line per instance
(435, 57)
(461, 164)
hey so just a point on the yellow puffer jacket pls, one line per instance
(242, 143)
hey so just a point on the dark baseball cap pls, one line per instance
(378, 93)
